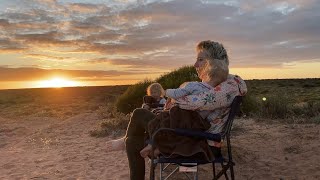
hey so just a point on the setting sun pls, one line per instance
(57, 83)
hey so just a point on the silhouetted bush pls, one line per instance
(274, 106)
(175, 78)
(112, 122)
(249, 105)
(132, 97)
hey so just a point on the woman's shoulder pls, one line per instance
(237, 81)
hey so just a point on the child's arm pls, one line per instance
(181, 91)
(162, 101)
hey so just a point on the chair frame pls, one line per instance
(226, 163)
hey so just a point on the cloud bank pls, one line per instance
(145, 35)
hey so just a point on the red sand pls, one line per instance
(48, 148)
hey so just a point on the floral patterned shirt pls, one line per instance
(217, 100)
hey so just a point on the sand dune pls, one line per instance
(48, 148)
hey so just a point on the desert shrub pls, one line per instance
(132, 97)
(274, 106)
(298, 109)
(313, 109)
(249, 105)
(309, 85)
(306, 109)
(112, 122)
(175, 78)
(315, 119)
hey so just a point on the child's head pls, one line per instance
(155, 90)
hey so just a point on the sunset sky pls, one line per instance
(108, 42)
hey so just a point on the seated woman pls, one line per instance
(187, 88)
(212, 105)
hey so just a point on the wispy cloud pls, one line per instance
(33, 73)
(162, 34)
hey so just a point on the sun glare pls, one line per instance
(58, 83)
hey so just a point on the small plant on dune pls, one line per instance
(113, 122)
(274, 106)
(249, 106)
(315, 119)
(132, 97)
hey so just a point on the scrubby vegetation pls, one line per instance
(112, 122)
(290, 100)
(269, 99)
(132, 98)
(56, 102)
(283, 99)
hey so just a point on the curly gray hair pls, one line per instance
(217, 57)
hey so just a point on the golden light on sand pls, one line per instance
(58, 82)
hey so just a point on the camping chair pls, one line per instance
(191, 163)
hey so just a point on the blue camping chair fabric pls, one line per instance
(226, 161)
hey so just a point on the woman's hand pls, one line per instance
(169, 104)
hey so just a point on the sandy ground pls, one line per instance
(48, 148)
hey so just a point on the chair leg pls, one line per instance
(214, 169)
(196, 173)
(231, 172)
(225, 170)
(152, 168)
(222, 172)
(161, 169)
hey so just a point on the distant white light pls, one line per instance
(264, 99)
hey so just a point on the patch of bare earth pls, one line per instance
(49, 148)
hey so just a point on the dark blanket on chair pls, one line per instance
(174, 145)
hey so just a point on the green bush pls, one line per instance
(315, 119)
(249, 105)
(175, 78)
(112, 122)
(274, 106)
(132, 97)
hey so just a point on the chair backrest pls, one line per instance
(235, 107)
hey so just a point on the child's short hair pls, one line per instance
(155, 87)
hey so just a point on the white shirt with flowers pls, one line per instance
(217, 101)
